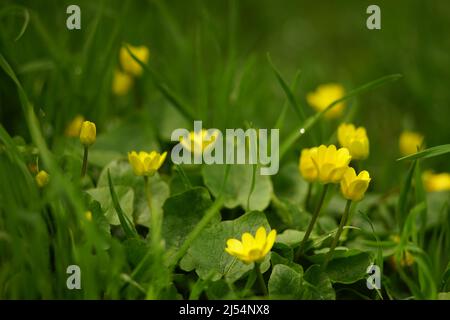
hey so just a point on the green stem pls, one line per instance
(262, 284)
(312, 222)
(154, 216)
(210, 213)
(308, 196)
(338, 234)
(85, 161)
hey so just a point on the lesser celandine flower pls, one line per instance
(129, 65)
(354, 186)
(252, 249)
(122, 82)
(409, 142)
(354, 139)
(306, 166)
(146, 164)
(74, 127)
(436, 181)
(199, 141)
(326, 94)
(42, 179)
(88, 133)
(331, 163)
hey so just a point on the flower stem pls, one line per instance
(308, 196)
(154, 216)
(312, 222)
(262, 284)
(338, 234)
(85, 161)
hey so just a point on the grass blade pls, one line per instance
(293, 102)
(402, 203)
(280, 120)
(165, 90)
(428, 153)
(124, 221)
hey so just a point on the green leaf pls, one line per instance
(238, 186)
(121, 137)
(285, 283)
(181, 214)
(125, 196)
(317, 285)
(276, 258)
(122, 175)
(349, 269)
(290, 237)
(207, 252)
(288, 184)
(428, 153)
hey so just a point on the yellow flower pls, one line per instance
(199, 140)
(409, 142)
(252, 249)
(306, 166)
(354, 186)
(354, 139)
(88, 215)
(146, 164)
(122, 82)
(330, 163)
(324, 95)
(436, 181)
(74, 127)
(130, 65)
(42, 178)
(88, 133)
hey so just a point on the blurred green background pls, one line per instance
(213, 56)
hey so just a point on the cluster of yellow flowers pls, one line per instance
(124, 77)
(330, 165)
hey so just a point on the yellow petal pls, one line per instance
(260, 238)
(269, 242)
(248, 241)
(136, 163)
(235, 245)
